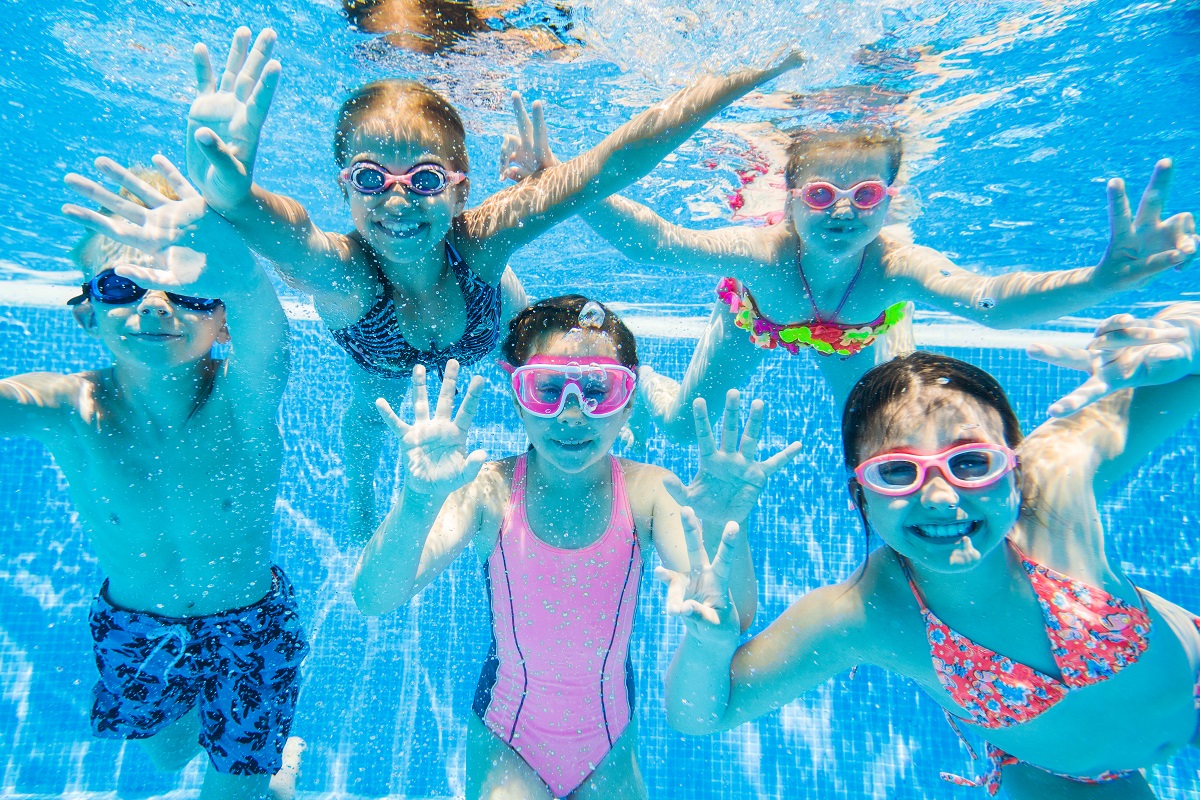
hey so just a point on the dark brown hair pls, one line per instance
(391, 104)
(559, 315)
(806, 143)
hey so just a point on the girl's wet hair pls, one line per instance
(806, 144)
(893, 380)
(560, 315)
(401, 108)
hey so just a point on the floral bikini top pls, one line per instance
(824, 334)
(1093, 636)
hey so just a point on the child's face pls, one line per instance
(942, 527)
(401, 225)
(573, 441)
(842, 227)
(153, 331)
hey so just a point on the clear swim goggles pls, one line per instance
(367, 177)
(973, 465)
(111, 289)
(820, 195)
(602, 386)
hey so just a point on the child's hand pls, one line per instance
(181, 236)
(1145, 245)
(701, 598)
(1126, 353)
(435, 448)
(529, 151)
(729, 481)
(225, 119)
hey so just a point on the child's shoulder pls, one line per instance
(38, 403)
(641, 472)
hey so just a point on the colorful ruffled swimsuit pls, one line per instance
(1093, 636)
(558, 685)
(824, 334)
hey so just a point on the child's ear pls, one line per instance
(464, 190)
(223, 333)
(85, 315)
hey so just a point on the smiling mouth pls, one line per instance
(402, 230)
(572, 446)
(157, 337)
(947, 532)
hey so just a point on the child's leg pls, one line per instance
(495, 771)
(172, 748)
(619, 776)
(364, 435)
(724, 359)
(1023, 782)
(218, 786)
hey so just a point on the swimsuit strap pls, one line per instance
(912, 584)
(516, 499)
(812, 301)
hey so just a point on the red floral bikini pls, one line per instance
(824, 334)
(1093, 636)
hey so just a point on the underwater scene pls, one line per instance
(189, 382)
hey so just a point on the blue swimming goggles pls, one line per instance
(111, 289)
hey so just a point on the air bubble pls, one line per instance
(943, 381)
(945, 273)
(987, 302)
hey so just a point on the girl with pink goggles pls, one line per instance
(602, 386)
(974, 465)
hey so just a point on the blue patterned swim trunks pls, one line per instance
(242, 667)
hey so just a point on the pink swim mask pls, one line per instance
(602, 386)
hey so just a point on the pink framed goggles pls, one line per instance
(973, 465)
(820, 195)
(367, 177)
(602, 386)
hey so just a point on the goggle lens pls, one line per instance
(867, 195)
(368, 179)
(820, 195)
(427, 180)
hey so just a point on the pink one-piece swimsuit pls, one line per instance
(557, 685)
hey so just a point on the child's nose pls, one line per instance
(937, 491)
(843, 209)
(155, 303)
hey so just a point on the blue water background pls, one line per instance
(1016, 113)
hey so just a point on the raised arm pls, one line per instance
(1140, 248)
(439, 509)
(516, 215)
(196, 253)
(224, 126)
(1144, 386)
(634, 229)
(37, 404)
(712, 683)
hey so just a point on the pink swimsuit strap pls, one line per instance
(557, 687)
(1093, 636)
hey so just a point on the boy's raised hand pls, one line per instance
(192, 248)
(701, 597)
(435, 448)
(529, 150)
(1126, 352)
(226, 118)
(729, 481)
(1144, 245)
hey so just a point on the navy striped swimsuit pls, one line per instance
(377, 344)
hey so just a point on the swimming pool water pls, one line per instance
(1016, 110)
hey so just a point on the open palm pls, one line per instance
(729, 480)
(434, 448)
(701, 597)
(1144, 245)
(226, 118)
(191, 247)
